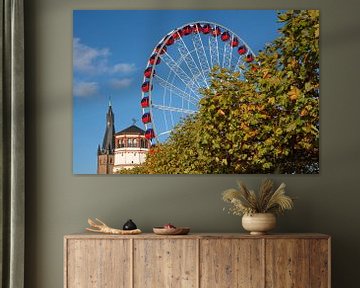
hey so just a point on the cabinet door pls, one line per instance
(165, 263)
(231, 263)
(287, 263)
(320, 263)
(98, 263)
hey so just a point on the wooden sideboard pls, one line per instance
(197, 260)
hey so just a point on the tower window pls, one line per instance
(143, 143)
(132, 142)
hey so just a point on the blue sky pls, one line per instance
(110, 52)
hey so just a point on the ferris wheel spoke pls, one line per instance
(190, 62)
(230, 55)
(164, 114)
(175, 90)
(227, 55)
(201, 54)
(180, 73)
(173, 109)
(164, 133)
(214, 51)
(239, 62)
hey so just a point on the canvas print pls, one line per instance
(196, 91)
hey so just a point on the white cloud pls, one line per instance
(88, 59)
(83, 89)
(121, 83)
(124, 68)
(91, 60)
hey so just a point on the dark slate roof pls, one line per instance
(133, 129)
(109, 141)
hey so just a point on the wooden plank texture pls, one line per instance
(319, 263)
(89, 235)
(98, 264)
(287, 263)
(164, 263)
(197, 260)
(231, 263)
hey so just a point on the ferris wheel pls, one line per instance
(179, 66)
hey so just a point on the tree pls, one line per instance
(264, 120)
(178, 155)
(288, 82)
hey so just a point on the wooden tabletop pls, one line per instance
(89, 235)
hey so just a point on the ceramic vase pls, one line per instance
(259, 223)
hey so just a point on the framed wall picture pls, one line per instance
(196, 91)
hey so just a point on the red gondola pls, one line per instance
(152, 60)
(234, 42)
(206, 29)
(225, 36)
(187, 30)
(216, 32)
(162, 51)
(146, 118)
(147, 72)
(145, 87)
(170, 40)
(197, 28)
(145, 102)
(149, 134)
(176, 35)
(180, 32)
(242, 50)
(249, 58)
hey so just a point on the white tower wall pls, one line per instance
(130, 151)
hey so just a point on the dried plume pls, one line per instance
(245, 201)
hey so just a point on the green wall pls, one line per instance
(58, 203)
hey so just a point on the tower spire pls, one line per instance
(106, 152)
(108, 144)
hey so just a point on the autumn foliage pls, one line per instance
(262, 120)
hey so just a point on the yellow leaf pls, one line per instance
(243, 126)
(317, 31)
(266, 73)
(294, 93)
(304, 112)
(251, 107)
(271, 100)
(221, 112)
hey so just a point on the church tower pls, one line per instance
(105, 153)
